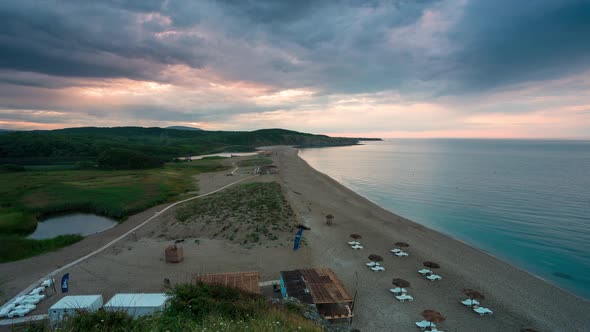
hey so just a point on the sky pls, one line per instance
(405, 68)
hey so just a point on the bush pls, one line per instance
(85, 164)
(12, 168)
(117, 159)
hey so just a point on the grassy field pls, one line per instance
(250, 214)
(28, 196)
(200, 307)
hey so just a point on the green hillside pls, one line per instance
(75, 144)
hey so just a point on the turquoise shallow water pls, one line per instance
(526, 202)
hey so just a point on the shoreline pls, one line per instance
(445, 234)
(518, 298)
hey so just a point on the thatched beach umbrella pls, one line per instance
(402, 283)
(355, 236)
(431, 265)
(401, 244)
(473, 294)
(433, 316)
(375, 258)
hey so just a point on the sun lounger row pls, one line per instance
(24, 304)
(429, 275)
(399, 252)
(375, 266)
(355, 245)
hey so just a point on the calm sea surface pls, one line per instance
(526, 202)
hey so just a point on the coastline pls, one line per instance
(518, 298)
(448, 235)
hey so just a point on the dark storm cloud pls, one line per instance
(335, 47)
(509, 42)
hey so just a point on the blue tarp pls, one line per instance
(298, 239)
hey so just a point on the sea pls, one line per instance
(526, 202)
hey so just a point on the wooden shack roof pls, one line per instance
(246, 281)
(323, 286)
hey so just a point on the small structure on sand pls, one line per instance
(246, 281)
(174, 254)
(70, 305)
(321, 288)
(136, 305)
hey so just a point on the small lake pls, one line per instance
(77, 223)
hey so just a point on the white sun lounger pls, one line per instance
(353, 243)
(397, 290)
(482, 311)
(433, 277)
(378, 268)
(21, 311)
(355, 247)
(395, 250)
(47, 282)
(401, 254)
(37, 290)
(32, 299)
(404, 297)
(424, 324)
(8, 308)
(470, 302)
(424, 271)
(371, 264)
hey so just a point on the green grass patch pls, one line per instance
(257, 161)
(249, 213)
(15, 247)
(200, 307)
(28, 196)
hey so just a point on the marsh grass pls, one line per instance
(15, 247)
(28, 196)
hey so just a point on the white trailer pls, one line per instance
(69, 305)
(138, 304)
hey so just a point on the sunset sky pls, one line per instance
(406, 68)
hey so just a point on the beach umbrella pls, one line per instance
(433, 316)
(400, 282)
(473, 295)
(401, 244)
(431, 265)
(355, 236)
(375, 258)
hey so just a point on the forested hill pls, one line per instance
(88, 143)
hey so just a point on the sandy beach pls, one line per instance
(136, 263)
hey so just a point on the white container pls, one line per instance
(138, 304)
(69, 305)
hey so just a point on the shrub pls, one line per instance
(12, 168)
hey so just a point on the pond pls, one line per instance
(77, 223)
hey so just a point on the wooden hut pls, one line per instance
(174, 254)
(320, 287)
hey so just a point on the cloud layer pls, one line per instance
(449, 68)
